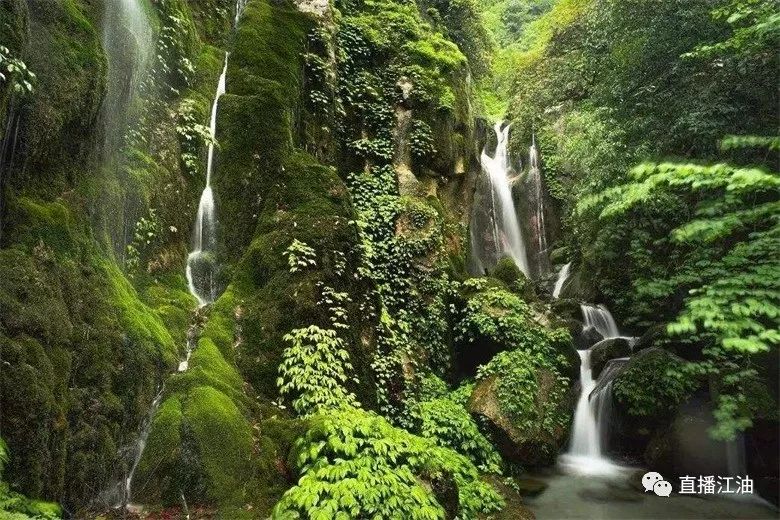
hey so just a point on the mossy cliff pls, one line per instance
(346, 153)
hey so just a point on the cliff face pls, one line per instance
(348, 128)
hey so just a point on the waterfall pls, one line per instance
(140, 444)
(601, 319)
(586, 448)
(119, 494)
(129, 44)
(591, 416)
(601, 400)
(537, 216)
(563, 275)
(505, 228)
(200, 262)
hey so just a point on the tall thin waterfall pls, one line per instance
(129, 45)
(538, 227)
(119, 493)
(507, 236)
(563, 275)
(601, 319)
(200, 262)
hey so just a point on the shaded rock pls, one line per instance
(587, 338)
(530, 487)
(530, 445)
(445, 489)
(685, 447)
(566, 309)
(650, 337)
(606, 350)
(570, 366)
(514, 509)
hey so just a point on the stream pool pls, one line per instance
(595, 498)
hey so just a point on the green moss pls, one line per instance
(223, 440)
(164, 456)
(84, 353)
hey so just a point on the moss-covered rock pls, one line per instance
(648, 385)
(495, 320)
(527, 404)
(605, 350)
(83, 353)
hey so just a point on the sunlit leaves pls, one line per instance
(314, 370)
(354, 464)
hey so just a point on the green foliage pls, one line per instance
(653, 384)
(14, 74)
(314, 369)
(355, 464)
(14, 506)
(192, 133)
(517, 387)
(505, 319)
(421, 141)
(726, 259)
(300, 256)
(446, 421)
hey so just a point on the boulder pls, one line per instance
(566, 309)
(532, 444)
(587, 337)
(606, 350)
(650, 337)
(515, 508)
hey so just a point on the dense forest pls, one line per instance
(413, 259)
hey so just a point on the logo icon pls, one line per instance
(649, 479)
(662, 488)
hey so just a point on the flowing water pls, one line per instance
(563, 275)
(128, 41)
(599, 317)
(129, 44)
(501, 235)
(587, 446)
(201, 267)
(534, 187)
(585, 455)
(119, 494)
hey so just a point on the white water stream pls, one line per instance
(585, 455)
(506, 228)
(563, 275)
(200, 268)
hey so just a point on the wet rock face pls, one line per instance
(528, 445)
(606, 350)
(587, 338)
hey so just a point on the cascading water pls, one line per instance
(534, 186)
(601, 399)
(128, 41)
(585, 455)
(503, 230)
(200, 262)
(563, 275)
(600, 319)
(120, 493)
